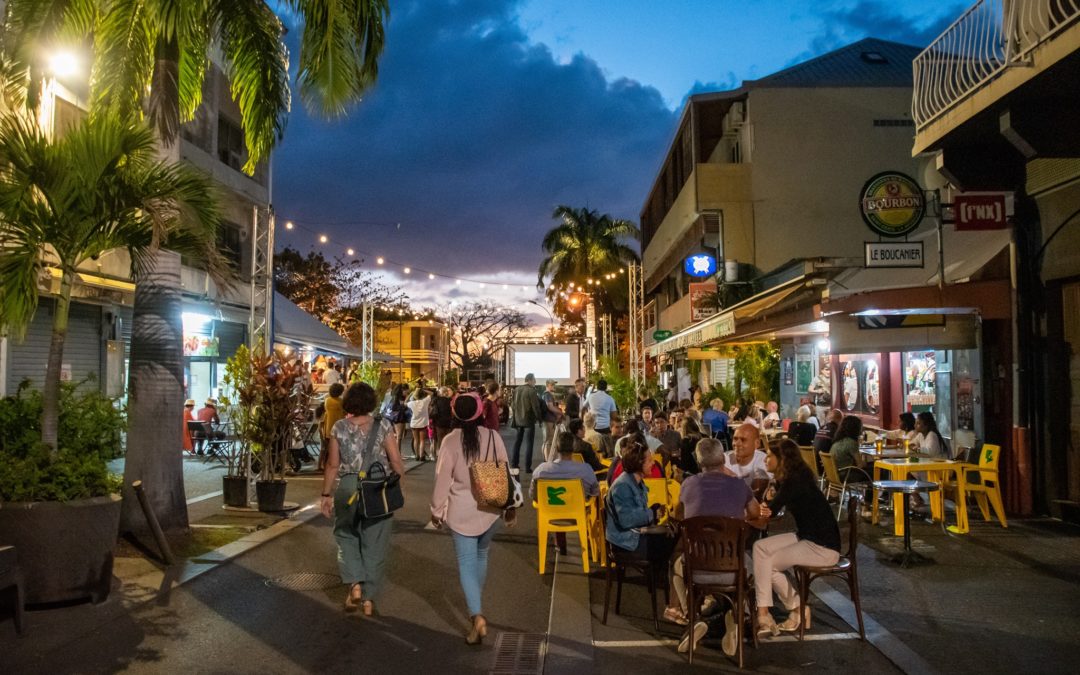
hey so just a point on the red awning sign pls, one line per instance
(980, 212)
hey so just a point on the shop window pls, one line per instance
(416, 339)
(860, 381)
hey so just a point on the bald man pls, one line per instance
(747, 460)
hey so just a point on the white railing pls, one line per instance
(989, 37)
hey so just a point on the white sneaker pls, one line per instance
(730, 642)
(698, 632)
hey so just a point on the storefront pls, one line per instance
(211, 337)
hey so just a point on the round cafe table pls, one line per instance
(907, 487)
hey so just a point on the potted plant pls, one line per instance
(274, 394)
(64, 202)
(238, 404)
(46, 497)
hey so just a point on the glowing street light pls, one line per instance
(63, 64)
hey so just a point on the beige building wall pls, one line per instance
(811, 152)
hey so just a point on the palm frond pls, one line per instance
(257, 66)
(124, 48)
(339, 50)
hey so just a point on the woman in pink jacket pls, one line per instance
(453, 504)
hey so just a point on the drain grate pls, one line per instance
(519, 654)
(305, 581)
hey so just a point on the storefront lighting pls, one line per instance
(824, 345)
(194, 321)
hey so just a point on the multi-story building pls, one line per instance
(778, 180)
(995, 109)
(415, 349)
(215, 321)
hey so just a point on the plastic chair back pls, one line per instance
(989, 456)
(714, 544)
(657, 488)
(560, 499)
(786, 424)
(674, 489)
(578, 457)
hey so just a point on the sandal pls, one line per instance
(368, 607)
(352, 604)
(791, 623)
(767, 627)
(675, 616)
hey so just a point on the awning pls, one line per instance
(294, 325)
(965, 254)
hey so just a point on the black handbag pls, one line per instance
(377, 491)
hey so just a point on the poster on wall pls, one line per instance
(201, 345)
(804, 372)
(701, 301)
(860, 378)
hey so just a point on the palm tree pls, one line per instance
(65, 201)
(586, 245)
(150, 57)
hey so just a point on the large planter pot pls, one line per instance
(270, 495)
(234, 490)
(65, 548)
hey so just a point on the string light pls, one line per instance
(379, 260)
(351, 252)
(323, 239)
(407, 270)
(430, 276)
(289, 225)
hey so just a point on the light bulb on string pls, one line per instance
(350, 251)
(323, 239)
(407, 270)
(430, 276)
(288, 225)
(379, 260)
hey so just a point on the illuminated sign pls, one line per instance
(892, 204)
(700, 265)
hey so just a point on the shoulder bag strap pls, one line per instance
(369, 443)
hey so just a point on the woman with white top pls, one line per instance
(420, 408)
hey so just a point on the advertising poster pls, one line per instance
(702, 304)
(200, 345)
(860, 379)
(804, 372)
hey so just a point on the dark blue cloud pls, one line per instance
(470, 138)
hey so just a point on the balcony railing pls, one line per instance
(989, 37)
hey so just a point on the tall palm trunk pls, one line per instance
(50, 410)
(156, 399)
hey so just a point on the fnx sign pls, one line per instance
(700, 265)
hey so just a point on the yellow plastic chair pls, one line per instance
(578, 457)
(987, 486)
(594, 513)
(807, 452)
(658, 493)
(841, 486)
(560, 507)
(674, 490)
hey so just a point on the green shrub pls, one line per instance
(91, 429)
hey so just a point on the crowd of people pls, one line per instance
(728, 463)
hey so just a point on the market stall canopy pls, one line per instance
(295, 326)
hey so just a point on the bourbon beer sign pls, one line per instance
(892, 204)
(980, 212)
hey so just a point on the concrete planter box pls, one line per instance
(65, 548)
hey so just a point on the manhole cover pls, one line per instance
(519, 654)
(305, 581)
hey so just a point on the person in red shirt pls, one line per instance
(188, 416)
(491, 407)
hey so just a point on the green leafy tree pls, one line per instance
(66, 201)
(586, 245)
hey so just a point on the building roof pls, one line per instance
(867, 63)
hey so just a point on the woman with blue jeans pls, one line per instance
(453, 504)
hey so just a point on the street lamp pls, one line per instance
(550, 315)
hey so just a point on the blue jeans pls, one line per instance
(472, 557)
(529, 434)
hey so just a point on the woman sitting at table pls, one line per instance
(845, 447)
(931, 443)
(628, 509)
(815, 542)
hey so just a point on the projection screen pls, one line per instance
(561, 363)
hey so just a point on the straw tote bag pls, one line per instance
(492, 483)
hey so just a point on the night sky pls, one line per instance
(489, 113)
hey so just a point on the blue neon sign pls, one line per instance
(700, 265)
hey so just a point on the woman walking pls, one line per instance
(419, 407)
(815, 542)
(442, 417)
(453, 504)
(363, 543)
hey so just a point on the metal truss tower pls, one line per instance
(261, 313)
(637, 324)
(367, 332)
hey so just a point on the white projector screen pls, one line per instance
(561, 363)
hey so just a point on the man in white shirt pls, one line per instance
(332, 375)
(746, 461)
(602, 405)
(772, 419)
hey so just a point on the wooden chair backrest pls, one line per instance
(714, 544)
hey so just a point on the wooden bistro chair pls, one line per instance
(846, 568)
(713, 546)
(560, 507)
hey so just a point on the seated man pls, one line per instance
(772, 416)
(715, 419)
(577, 428)
(713, 492)
(668, 437)
(747, 461)
(564, 467)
